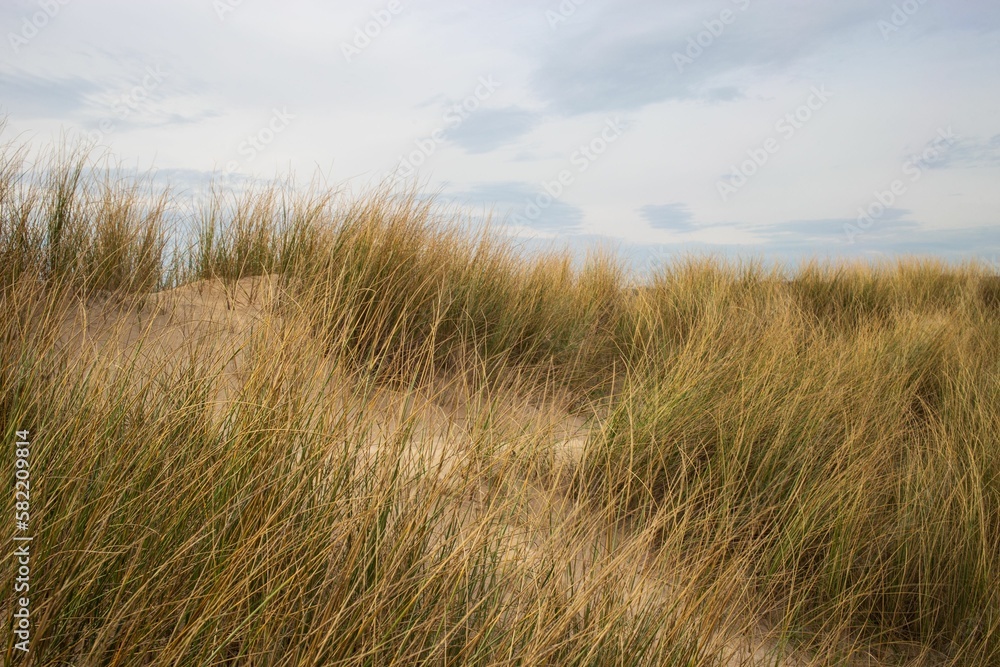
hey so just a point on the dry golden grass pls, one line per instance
(335, 432)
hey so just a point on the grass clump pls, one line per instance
(335, 430)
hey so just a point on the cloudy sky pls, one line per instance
(774, 128)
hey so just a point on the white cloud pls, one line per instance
(354, 119)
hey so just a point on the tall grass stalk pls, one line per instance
(337, 432)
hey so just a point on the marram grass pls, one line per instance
(333, 431)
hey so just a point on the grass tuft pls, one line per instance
(334, 430)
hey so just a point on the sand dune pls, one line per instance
(528, 454)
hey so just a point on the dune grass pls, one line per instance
(775, 469)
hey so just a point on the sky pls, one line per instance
(774, 129)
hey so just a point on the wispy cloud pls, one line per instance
(490, 129)
(672, 217)
(44, 96)
(624, 63)
(970, 153)
(507, 200)
(523, 152)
